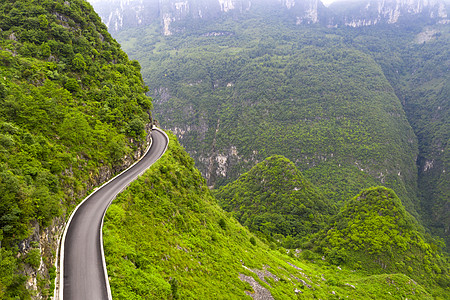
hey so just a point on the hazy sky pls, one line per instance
(327, 2)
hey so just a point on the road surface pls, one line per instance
(83, 275)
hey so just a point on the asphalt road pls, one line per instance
(83, 271)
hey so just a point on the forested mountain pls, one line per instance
(301, 110)
(420, 77)
(166, 238)
(351, 105)
(374, 232)
(304, 94)
(73, 111)
(274, 198)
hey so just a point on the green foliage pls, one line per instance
(373, 231)
(414, 60)
(78, 62)
(174, 288)
(71, 85)
(136, 128)
(33, 258)
(64, 111)
(222, 224)
(163, 231)
(275, 199)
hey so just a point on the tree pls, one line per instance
(43, 22)
(78, 62)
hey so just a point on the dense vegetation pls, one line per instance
(334, 101)
(166, 238)
(274, 198)
(419, 74)
(71, 107)
(341, 103)
(374, 232)
(236, 92)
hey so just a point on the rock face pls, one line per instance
(119, 14)
(122, 14)
(46, 240)
(374, 12)
(172, 10)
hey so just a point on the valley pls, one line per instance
(308, 153)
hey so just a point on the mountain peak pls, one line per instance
(275, 198)
(379, 235)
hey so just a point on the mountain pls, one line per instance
(374, 232)
(419, 75)
(124, 14)
(305, 94)
(274, 198)
(276, 83)
(165, 237)
(367, 13)
(73, 112)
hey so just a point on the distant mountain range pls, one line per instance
(120, 14)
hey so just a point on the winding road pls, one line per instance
(82, 268)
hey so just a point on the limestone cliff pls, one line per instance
(123, 14)
(372, 12)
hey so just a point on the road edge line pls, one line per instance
(61, 242)
(108, 287)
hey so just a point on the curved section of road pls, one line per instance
(82, 268)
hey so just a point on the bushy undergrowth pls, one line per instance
(71, 107)
(373, 232)
(165, 237)
(275, 199)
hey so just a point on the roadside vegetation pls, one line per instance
(166, 237)
(72, 106)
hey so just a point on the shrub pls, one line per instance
(222, 224)
(33, 258)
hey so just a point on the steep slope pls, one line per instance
(275, 198)
(121, 15)
(419, 74)
(237, 92)
(174, 15)
(72, 113)
(166, 238)
(427, 105)
(376, 12)
(374, 232)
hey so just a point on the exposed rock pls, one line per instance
(121, 14)
(48, 238)
(374, 12)
(259, 292)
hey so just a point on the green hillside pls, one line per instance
(165, 237)
(351, 107)
(313, 115)
(275, 198)
(419, 74)
(72, 106)
(374, 232)
(260, 87)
